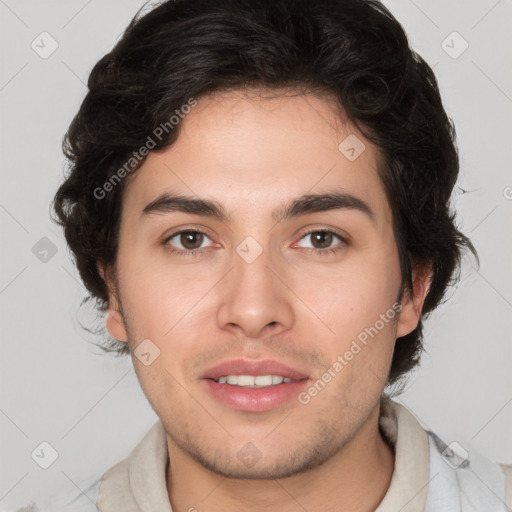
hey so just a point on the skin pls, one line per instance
(294, 304)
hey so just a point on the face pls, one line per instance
(262, 281)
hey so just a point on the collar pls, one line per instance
(408, 489)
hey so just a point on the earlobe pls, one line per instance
(113, 320)
(413, 300)
(115, 326)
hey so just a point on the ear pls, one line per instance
(413, 300)
(114, 319)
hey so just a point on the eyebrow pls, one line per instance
(303, 205)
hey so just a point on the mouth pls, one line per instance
(254, 386)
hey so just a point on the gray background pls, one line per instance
(58, 388)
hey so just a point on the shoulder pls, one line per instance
(464, 475)
(81, 496)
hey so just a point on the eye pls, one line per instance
(322, 240)
(190, 240)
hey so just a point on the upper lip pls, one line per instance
(253, 367)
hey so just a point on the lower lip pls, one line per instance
(255, 399)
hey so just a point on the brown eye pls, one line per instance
(191, 239)
(187, 241)
(321, 239)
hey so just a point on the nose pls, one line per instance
(256, 300)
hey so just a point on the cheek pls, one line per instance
(157, 294)
(354, 295)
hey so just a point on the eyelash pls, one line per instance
(197, 252)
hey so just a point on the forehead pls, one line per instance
(253, 150)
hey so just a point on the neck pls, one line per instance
(354, 479)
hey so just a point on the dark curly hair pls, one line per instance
(352, 50)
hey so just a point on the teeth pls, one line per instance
(249, 381)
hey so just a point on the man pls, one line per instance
(259, 196)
